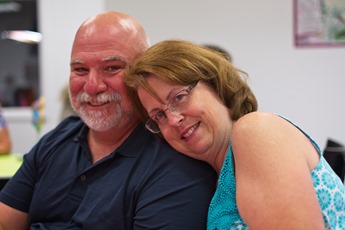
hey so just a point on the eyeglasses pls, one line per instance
(175, 105)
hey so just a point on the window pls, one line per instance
(19, 61)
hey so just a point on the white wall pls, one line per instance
(305, 85)
(58, 22)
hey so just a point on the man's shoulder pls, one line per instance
(72, 124)
(160, 153)
(69, 128)
(57, 144)
(142, 141)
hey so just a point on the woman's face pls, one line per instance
(201, 129)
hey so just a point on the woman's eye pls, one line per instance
(180, 97)
(159, 115)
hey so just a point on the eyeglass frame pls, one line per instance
(171, 109)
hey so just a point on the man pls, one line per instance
(105, 171)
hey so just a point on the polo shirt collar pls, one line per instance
(132, 144)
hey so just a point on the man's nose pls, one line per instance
(95, 83)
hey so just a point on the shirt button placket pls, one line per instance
(83, 177)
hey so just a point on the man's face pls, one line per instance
(97, 88)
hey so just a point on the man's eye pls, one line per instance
(80, 70)
(112, 68)
(159, 116)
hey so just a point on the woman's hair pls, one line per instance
(183, 63)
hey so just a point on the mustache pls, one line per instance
(99, 98)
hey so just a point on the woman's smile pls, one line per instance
(189, 131)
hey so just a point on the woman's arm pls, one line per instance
(273, 161)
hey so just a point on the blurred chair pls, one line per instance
(334, 153)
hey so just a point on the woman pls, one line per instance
(271, 173)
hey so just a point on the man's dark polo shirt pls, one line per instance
(144, 184)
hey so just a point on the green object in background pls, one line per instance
(9, 164)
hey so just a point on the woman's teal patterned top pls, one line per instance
(223, 213)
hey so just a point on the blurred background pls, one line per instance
(304, 84)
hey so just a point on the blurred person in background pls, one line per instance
(220, 50)
(67, 109)
(5, 137)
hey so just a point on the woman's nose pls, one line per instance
(95, 83)
(174, 119)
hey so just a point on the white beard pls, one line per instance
(103, 120)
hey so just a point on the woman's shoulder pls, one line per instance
(265, 131)
(259, 116)
(262, 133)
(257, 122)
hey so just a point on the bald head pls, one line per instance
(113, 27)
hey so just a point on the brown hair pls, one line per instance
(183, 63)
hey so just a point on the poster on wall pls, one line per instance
(319, 23)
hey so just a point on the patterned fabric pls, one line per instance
(223, 212)
(331, 195)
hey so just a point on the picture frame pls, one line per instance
(319, 23)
